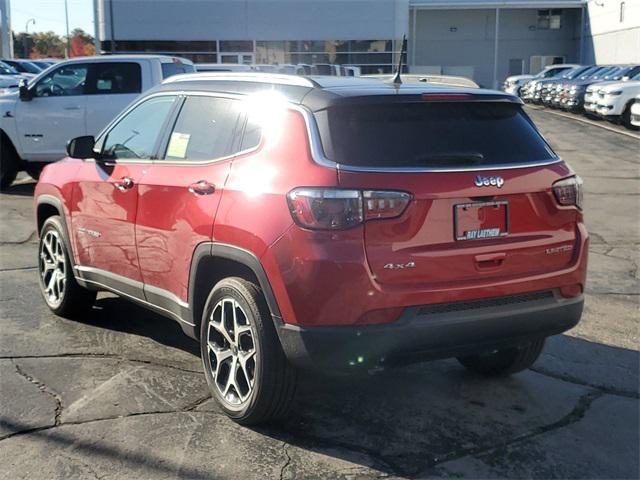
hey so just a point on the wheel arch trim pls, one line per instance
(230, 252)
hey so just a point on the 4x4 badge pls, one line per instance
(489, 181)
(399, 266)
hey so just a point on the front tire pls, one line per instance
(245, 367)
(9, 162)
(505, 361)
(34, 170)
(58, 286)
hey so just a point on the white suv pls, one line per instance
(635, 113)
(76, 97)
(615, 100)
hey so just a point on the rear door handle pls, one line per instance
(72, 107)
(125, 183)
(202, 187)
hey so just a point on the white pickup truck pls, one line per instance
(69, 99)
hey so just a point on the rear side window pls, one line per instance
(205, 130)
(174, 68)
(115, 77)
(430, 135)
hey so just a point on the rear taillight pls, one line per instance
(337, 209)
(569, 191)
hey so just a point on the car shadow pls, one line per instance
(25, 189)
(406, 421)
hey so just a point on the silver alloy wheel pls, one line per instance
(53, 267)
(232, 352)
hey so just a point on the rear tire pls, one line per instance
(34, 169)
(505, 361)
(9, 162)
(58, 285)
(245, 367)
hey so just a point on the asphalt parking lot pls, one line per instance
(121, 394)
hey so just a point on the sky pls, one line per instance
(49, 15)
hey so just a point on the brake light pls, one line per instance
(338, 209)
(569, 191)
(446, 97)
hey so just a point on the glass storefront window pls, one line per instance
(236, 46)
(373, 56)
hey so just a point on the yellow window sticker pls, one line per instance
(178, 145)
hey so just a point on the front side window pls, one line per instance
(63, 81)
(115, 77)
(205, 130)
(136, 135)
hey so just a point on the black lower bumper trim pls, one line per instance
(424, 335)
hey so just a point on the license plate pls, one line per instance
(480, 221)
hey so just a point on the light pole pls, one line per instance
(66, 15)
(26, 36)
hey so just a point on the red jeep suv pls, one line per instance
(342, 224)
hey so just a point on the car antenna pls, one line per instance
(403, 54)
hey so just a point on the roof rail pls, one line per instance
(257, 77)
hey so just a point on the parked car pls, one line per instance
(572, 96)
(76, 97)
(530, 90)
(549, 86)
(615, 100)
(43, 64)
(452, 229)
(591, 93)
(10, 77)
(23, 66)
(514, 83)
(635, 113)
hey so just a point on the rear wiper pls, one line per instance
(468, 158)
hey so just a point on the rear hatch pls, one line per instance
(480, 177)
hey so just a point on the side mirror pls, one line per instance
(81, 147)
(25, 93)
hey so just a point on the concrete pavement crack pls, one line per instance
(17, 269)
(196, 404)
(44, 388)
(577, 413)
(28, 431)
(577, 381)
(288, 462)
(100, 355)
(30, 239)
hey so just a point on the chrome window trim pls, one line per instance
(318, 155)
(315, 143)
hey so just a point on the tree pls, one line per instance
(81, 44)
(47, 45)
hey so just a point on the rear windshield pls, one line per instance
(430, 135)
(174, 68)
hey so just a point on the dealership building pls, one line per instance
(486, 40)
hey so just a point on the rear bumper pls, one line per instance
(432, 331)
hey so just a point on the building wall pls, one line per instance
(252, 20)
(610, 37)
(462, 41)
